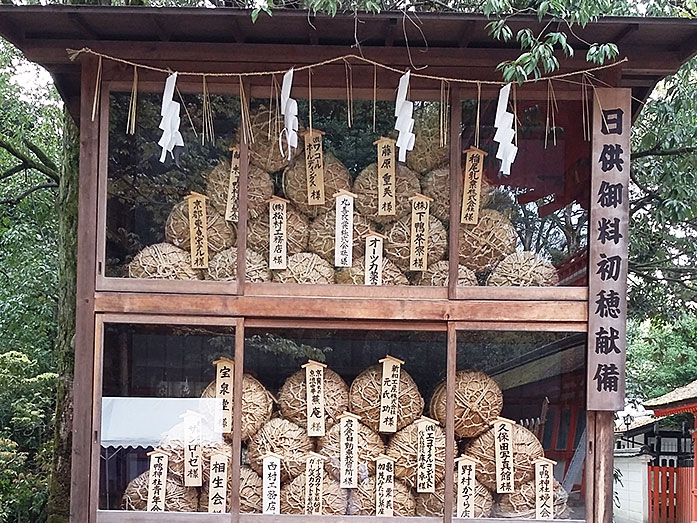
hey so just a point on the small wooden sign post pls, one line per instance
(343, 229)
(314, 166)
(389, 393)
(466, 485)
(426, 455)
(233, 190)
(224, 375)
(271, 483)
(384, 486)
(386, 166)
(192, 449)
(314, 394)
(418, 251)
(503, 449)
(314, 482)
(348, 450)
(544, 488)
(217, 483)
(472, 186)
(278, 235)
(374, 243)
(198, 230)
(157, 480)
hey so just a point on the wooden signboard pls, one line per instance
(544, 488)
(314, 166)
(348, 450)
(217, 484)
(384, 486)
(314, 393)
(198, 230)
(314, 483)
(192, 449)
(418, 251)
(466, 486)
(386, 166)
(278, 234)
(608, 249)
(271, 483)
(426, 455)
(223, 390)
(343, 229)
(503, 449)
(389, 393)
(233, 191)
(157, 480)
(374, 243)
(472, 186)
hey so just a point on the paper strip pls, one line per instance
(389, 393)
(544, 488)
(384, 486)
(472, 186)
(314, 388)
(278, 257)
(418, 249)
(313, 483)
(314, 166)
(426, 455)
(223, 390)
(271, 484)
(503, 450)
(233, 191)
(386, 160)
(343, 230)
(373, 259)
(157, 481)
(466, 486)
(198, 230)
(217, 484)
(348, 450)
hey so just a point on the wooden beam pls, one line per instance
(78, 21)
(624, 33)
(466, 34)
(159, 28)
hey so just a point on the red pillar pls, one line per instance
(693, 517)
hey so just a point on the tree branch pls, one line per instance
(654, 151)
(12, 171)
(15, 201)
(40, 154)
(53, 174)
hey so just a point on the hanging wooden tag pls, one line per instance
(343, 229)
(386, 162)
(348, 450)
(426, 455)
(384, 486)
(233, 190)
(192, 449)
(313, 483)
(503, 449)
(472, 185)
(198, 230)
(314, 390)
(544, 488)
(224, 368)
(374, 243)
(389, 393)
(217, 484)
(271, 483)
(418, 251)
(278, 257)
(466, 485)
(157, 480)
(314, 166)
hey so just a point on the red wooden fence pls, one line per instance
(670, 494)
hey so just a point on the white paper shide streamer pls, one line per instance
(289, 110)
(404, 111)
(505, 132)
(171, 137)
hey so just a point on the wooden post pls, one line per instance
(242, 213)
(455, 175)
(237, 417)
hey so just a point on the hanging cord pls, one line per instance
(349, 93)
(552, 109)
(97, 89)
(476, 124)
(271, 101)
(585, 108)
(208, 133)
(309, 98)
(441, 117)
(375, 94)
(244, 116)
(515, 115)
(186, 110)
(133, 104)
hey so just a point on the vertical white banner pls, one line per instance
(271, 484)
(544, 488)
(157, 480)
(343, 229)
(389, 393)
(192, 449)
(348, 450)
(217, 484)
(374, 243)
(278, 239)
(386, 166)
(503, 450)
(420, 220)
(314, 483)
(314, 397)
(426, 455)
(384, 486)
(233, 190)
(466, 486)
(224, 371)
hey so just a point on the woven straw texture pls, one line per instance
(427, 153)
(436, 184)
(263, 151)
(221, 234)
(163, 261)
(297, 232)
(364, 398)
(305, 267)
(334, 498)
(223, 266)
(370, 446)
(177, 497)
(259, 188)
(524, 269)
(403, 448)
(284, 438)
(362, 499)
(250, 492)
(355, 275)
(398, 244)
(526, 449)
(485, 244)
(433, 504)
(366, 189)
(437, 275)
(292, 398)
(321, 239)
(478, 402)
(521, 504)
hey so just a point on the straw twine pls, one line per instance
(223, 266)
(297, 232)
(334, 498)
(436, 185)
(305, 267)
(398, 244)
(163, 261)
(259, 188)
(524, 269)
(432, 504)
(292, 398)
(250, 492)
(521, 504)
(221, 234)
(322, 235)
(178, 498)
(483, 245)
(284, 438)
(263, 149)
(362, 499)
(437, 275)
(366, 188)
(369, 444)
(355, 275)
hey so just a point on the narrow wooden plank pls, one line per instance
(384, 325)
(164, 286)
(451, 368)
(589, 471)
(242, 206)
(97, 410)
(522, 326)
(664, 495)
(455, 177)
(237, 421)
(604, 430)
(345, 291)
(103, 178)
(168, 319)
(522, 293)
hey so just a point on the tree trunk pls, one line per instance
(59, 486)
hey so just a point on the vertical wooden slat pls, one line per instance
(664, 494)
(242, 212)
(451, 367)
(604, 450)
(590, 476)
(455, 183)
(237, 421)
(655, 491)
(97, 412)
(80, 478)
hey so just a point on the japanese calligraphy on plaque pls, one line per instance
(544, 488)
(418, 250)
(278, 236)
(157, 480)
(314, 393)
(313, 483)
(608, 237)
(198, 230)
(192, 449)
(343, 229)
(233, 190)
(386, 163)
(314, 166)
(384, 486)
(223, 391)
(472, 186)
(426, 455)
(373, 258)
(217, 484)
(466, 485)
(348, 450)
(271, 483)
(389, 393)
(503, 451)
